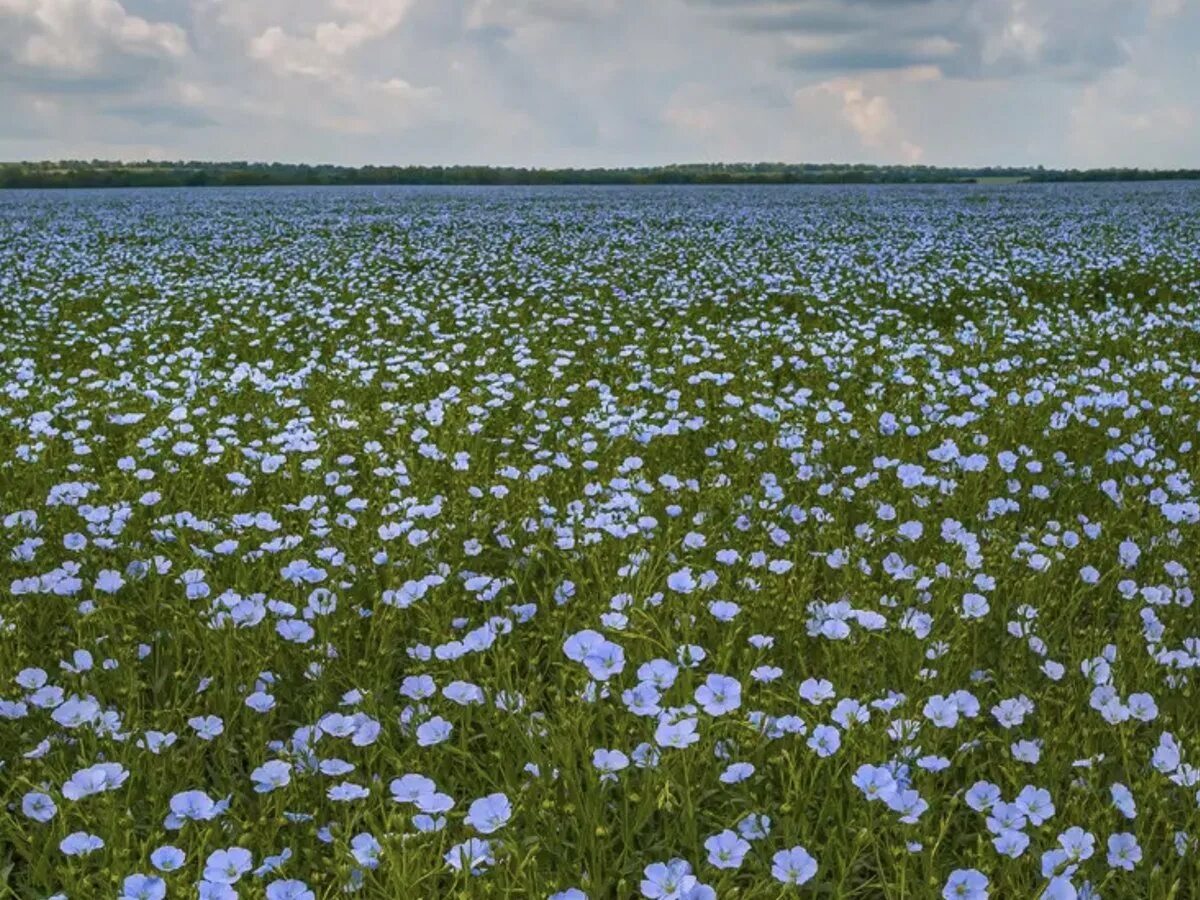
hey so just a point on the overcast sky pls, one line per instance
(604, 82)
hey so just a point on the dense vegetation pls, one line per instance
(98, 173)
(751, 542)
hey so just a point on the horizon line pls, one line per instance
(639, 167)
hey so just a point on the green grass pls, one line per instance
(581, 348)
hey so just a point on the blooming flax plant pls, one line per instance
(573, 543)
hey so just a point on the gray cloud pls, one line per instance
(161, 115)
(603, 82)
(965, 38)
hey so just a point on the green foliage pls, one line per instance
(103, 174)
(573, 389)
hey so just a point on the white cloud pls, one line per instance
(868, 113)
(871, 117)
(320, 50)
(77, 37)
(399, 88)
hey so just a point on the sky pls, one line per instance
(1061, 83)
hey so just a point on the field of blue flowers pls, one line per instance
(600, 543)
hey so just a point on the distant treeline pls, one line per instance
(98, 174)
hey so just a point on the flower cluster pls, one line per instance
(600, 543)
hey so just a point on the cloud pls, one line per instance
(691, 118)
(398, 87)
(870, 116)
(1166, 9)
(75, 39)
(161, 115)
(512, 14)
(965, 38)
(320, 50)
(866, 111)
(604, 82)
(1145, 111)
